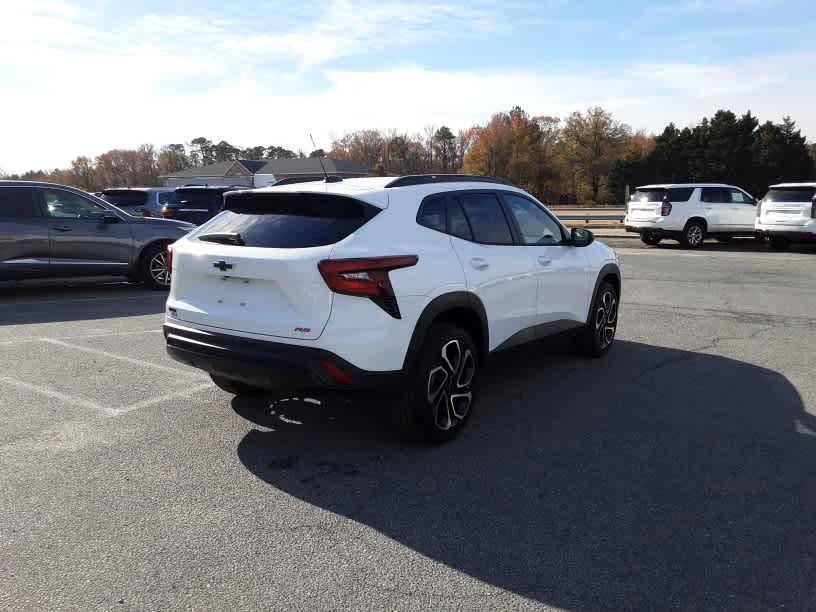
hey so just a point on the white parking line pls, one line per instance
(79, 402)
(71, 400)
(161, 399)
(133, 360)
(81, 337)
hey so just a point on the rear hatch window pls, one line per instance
(286, 220)
(253, 268)
(197, 198)
(648, 195)
(790, 195)
(125, 198)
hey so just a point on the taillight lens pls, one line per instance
(665, 209)
(813, 210)
(168, 213)
(169, 259)
(366, 277)
(146, 213)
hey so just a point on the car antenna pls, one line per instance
(326, 177)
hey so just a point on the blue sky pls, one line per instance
(90, 75)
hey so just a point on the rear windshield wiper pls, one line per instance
(224, 238)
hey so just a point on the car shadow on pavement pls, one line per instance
(54, 301)
(652, 479)
(737, 245)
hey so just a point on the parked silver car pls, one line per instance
(49, 230)
(144, 201)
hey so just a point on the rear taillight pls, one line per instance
(366, 277)
(813, 210)
(665, 209)
(168, 213)
(146, 213)
(169, 259)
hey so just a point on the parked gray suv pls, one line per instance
(49, 230)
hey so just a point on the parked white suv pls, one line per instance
(690, 212)
(350, 284)
(787, 214)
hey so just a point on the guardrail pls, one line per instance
(589, 218)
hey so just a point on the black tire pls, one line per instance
(693, 235)
(723, 239)
(780, 244)
(153, 271)
(440, 395)
(650, 239)
(597, 337)
(236, 387)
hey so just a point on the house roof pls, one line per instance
(307, 165)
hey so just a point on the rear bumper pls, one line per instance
(270, 365)
(787, 233)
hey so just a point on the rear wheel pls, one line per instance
(693, 235)
(650, 239)
(780, 244)
(236, 387)
(440, 394)
(154, 271)
(596, 338)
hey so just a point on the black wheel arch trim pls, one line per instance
(609, 269)
(438, 307)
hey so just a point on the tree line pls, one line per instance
(586, 157)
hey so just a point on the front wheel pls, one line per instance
(440, 394)
(596, 338)
(154, 271)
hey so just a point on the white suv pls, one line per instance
(690, 212)
(350, 284)
(787, 214)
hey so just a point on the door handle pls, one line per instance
(61, 228)
(479, 263)
(709, 208)
(544, 261)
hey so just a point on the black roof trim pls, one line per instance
(426, 179)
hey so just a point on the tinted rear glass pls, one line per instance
(432, 213)
(648, 195)
(198, 198)
(679, 194)
(125, 198)
(790, 194)
(18, 202)
(289, 220)
(486, 218)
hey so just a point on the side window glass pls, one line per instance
(679, 194)
(739, 197)
(486, 218)
(715, 195)
(537, 227)
(457, 222)
(67, 205)
(18, 202)
(432, 213)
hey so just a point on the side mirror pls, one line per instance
(109, 217)
(580, 237)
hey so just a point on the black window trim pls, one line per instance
(35, 199)
(515, 228)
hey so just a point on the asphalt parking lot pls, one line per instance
(678, 473)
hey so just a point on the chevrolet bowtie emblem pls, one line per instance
(222, 265)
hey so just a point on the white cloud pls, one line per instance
(85, 90)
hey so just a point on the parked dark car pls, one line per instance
(49, 230)
(196, 203)
(139, 201)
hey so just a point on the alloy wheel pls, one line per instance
(158, 268)
(694, 235)
(449, 385)
(606, 319)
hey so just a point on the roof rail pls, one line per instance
(425, 179)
